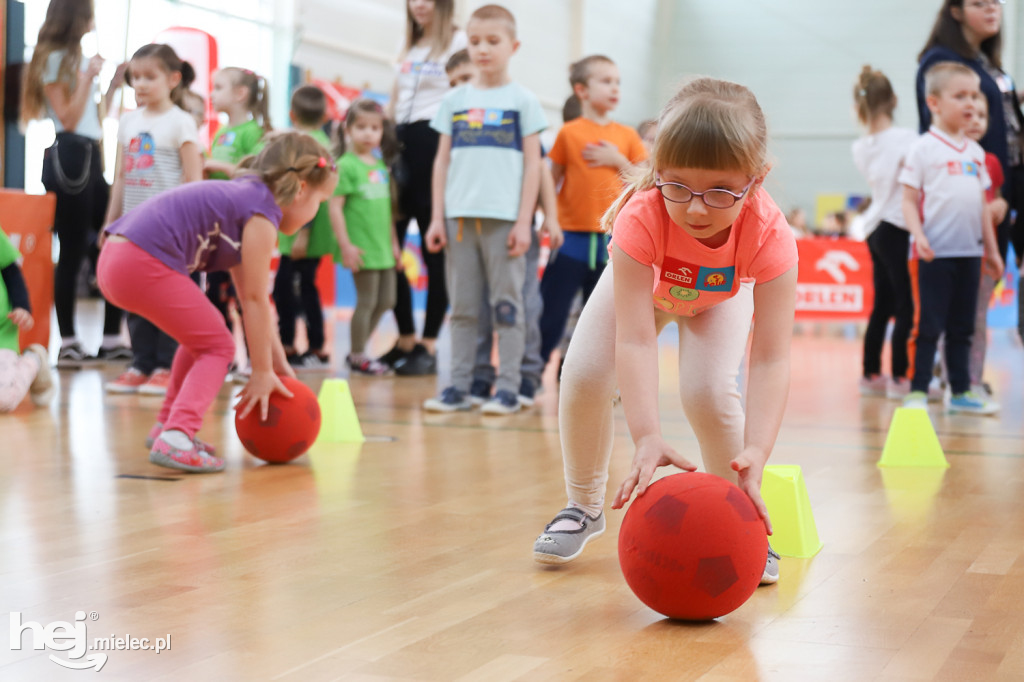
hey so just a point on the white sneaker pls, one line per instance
(897, 389)
(41, 391)
(873, 386)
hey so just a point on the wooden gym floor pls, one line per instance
(408, 557)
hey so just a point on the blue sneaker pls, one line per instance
(527, 392)
(970, 402)
(503, 402)
(450, 400)
(479, 392)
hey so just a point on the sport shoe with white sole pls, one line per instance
(503, 402)
(562, 546)
(771, 568)
(970, 402)
(450, 400)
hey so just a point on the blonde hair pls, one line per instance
(938, 76)
(258, 102)
(496, 13)
(873, 95)
(288, 159)
(442, 28)
(579, 72)
(710, 124)
(65, 23)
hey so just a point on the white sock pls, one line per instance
(177, 439)
(111, 341)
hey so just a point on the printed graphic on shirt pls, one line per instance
(683, 275)
(679, 272)
(963, 168)
(208, 244)
(377, 186)
(140, 154)
(684, 294)
(486, 128)
(716, 279)
(227, 139)
(424, 69)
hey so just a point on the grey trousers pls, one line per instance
(478, 258)
(533, 305)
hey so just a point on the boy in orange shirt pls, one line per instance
(588, 157)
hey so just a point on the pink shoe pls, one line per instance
(194, 460)
(897, 389)
(158, 428)
(873, 386)
(157, 383)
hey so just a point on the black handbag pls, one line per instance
(67, 163)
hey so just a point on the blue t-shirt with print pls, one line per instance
(487, 127)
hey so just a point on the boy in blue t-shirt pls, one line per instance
(486, 177)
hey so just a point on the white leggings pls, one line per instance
(711, 348)
(17, 372)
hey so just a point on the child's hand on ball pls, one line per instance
(750, 483)
(651, 452)
(257, 392)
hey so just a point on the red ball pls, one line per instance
(693, 546)
(291, 427)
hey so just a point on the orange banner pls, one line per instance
(835, 280)
(27, 220)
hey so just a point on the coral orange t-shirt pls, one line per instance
(690, 277)
(587, 192)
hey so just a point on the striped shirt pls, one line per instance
(151, 146)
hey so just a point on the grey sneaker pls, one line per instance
(450, 400)
(503, 402)
(771, 568)
(562, 546)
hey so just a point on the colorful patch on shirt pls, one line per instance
(140, 154)
(684, 294)
(679, 273)
(716, 279)
(378, 177)
(227, 139)
(962, 168)
(429, 69)
(486, 128)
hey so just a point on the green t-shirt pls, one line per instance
(8, 330)
(367, 192)
(321, 238)
(234, 143)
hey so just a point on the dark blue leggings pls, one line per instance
(563, 277)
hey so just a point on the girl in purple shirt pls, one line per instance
(215, 225)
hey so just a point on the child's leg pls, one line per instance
(386, 296)
(963, 303)
(894, 254)
(367, 283)
(562, 279)
(138, 282)
(505, 277)
(711, 348)
(483, 370)
(979, 341)
(16, 375)
(932, 283)
(884, 308)
(533, 308)
(585, 423)
(466, 277)
(311, 305)
(284, 302)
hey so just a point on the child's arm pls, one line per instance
(351, 255)
(191, 162)
(251, 278)
(636, 367)
(557, 174)
(605, 154)
(211, 166)
(519, 239)
(768, 382)
(911, 215)
(993, 261)
(116, 204)
(549, 204)
(436, 237)
(17, 296)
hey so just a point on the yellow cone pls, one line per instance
(340, 423)
(911, 441)
(794, 532)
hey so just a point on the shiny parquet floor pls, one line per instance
(408, 557)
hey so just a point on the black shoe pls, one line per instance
(73, 356)
(393, 356)
(419, 362)
(114, 353)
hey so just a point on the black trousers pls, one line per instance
(79, 217)
(946, 291)
(889, 246)
(308, 301)
(563, 278)
(413, 173)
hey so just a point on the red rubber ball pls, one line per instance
(291, 427)
(693, 546)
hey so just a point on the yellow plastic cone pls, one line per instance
(911, 441)
(794, 532)
(339, 421)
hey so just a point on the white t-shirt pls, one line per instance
(89, 125)
(151, 146)
(952, 178)
(422, 84)
(879, 158)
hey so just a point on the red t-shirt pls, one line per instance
(690, 277)
(995, 174)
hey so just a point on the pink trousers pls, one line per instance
(133, 280)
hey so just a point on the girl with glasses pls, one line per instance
(695, 241)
